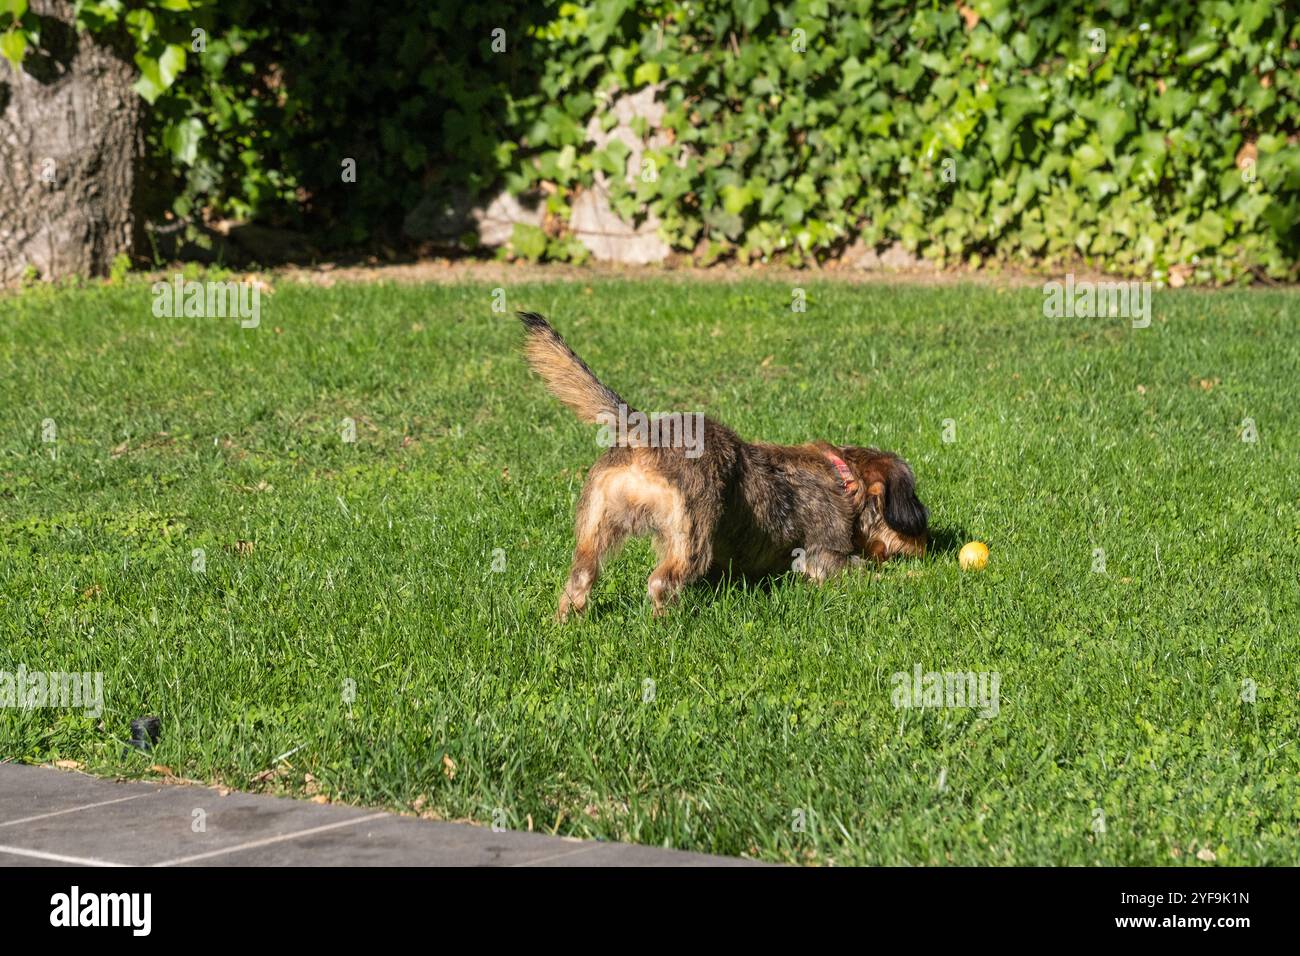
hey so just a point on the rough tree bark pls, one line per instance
(69, 147)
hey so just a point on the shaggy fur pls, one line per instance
(742, 508)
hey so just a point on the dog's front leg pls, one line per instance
(822, 563)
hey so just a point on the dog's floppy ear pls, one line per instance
(903, 510)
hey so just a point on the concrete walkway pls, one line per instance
(57, 818)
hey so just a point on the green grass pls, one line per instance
(372, 562)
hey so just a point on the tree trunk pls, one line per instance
(69, 147)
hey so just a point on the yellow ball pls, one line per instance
(974, 555)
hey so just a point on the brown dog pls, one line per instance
(717, 504)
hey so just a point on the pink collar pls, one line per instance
(846, 476)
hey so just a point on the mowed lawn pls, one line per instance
(383, 608)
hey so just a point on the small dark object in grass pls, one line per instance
(144, 733)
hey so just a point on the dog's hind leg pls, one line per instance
(674, 571)
(600, 530)
(684, 544)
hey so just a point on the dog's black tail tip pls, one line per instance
(533, 321)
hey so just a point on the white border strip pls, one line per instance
(267, 841)
(57, 857)
(88, 806)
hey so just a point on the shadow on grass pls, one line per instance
(944, 541)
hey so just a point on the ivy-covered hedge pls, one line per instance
(1140, 137)
(1154, 139)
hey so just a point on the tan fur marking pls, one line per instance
(635, 488)
(895, 543)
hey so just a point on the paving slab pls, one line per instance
(53, 817)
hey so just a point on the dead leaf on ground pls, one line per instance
(1247, 155)
(69, 764)
(449, 767)
(259, 284)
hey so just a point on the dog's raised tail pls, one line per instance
(566, 375)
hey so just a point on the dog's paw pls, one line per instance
(568, 607)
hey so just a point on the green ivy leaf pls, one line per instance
(157, 75)
(1208, 232)
(13, 45)
(182, 139)
(1017, 102)
(142, 25)
(646, 74)
(528, 241)
(735, 198)
(171, 63)
(1113, 124)
(1199, 50)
